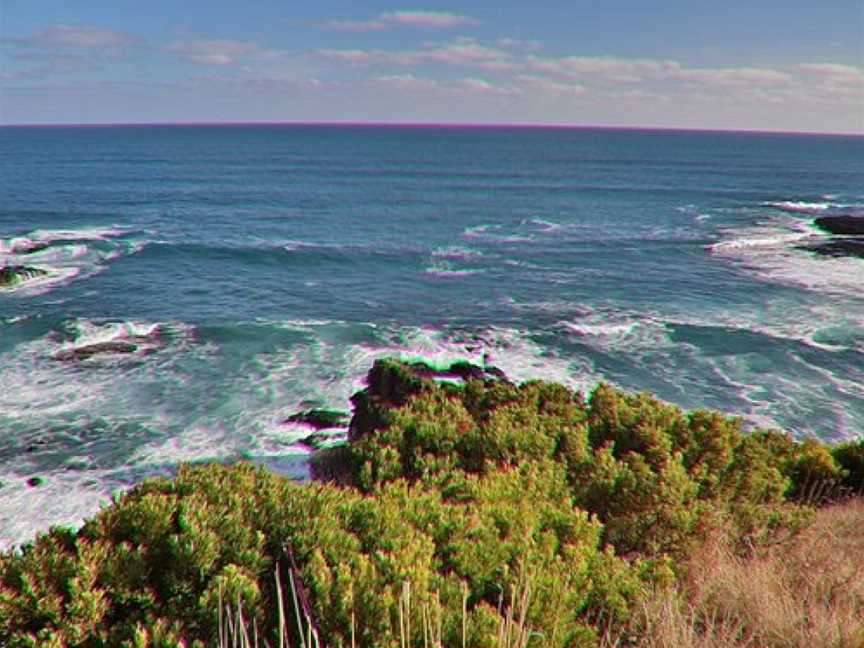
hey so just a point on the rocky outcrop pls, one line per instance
(390, 383)
(843, 247)
(320, 419)
(98, 348)
(13, 275)
(843, 225)
(848, 239)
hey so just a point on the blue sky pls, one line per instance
(764, 64)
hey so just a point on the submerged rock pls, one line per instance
(843, 225)
(320, 419)
(98, 348)
(33, 482)
(16, 274)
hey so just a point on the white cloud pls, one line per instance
(405, 82)
(427, 19)
(463, 52)
(532, 84)
(218, 51)
(418, 19)
(617, 70)
(741, 76)
(83, 37)
(356, 25)
(834, 72)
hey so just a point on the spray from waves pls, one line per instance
(456, 252)
(234, 411)
(36, 383)
(495, 234)
(778, 365)
(64, 255)
(446, 269)
(776, 250)
(801, 207)
(827, 205)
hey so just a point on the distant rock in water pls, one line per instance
(843, 225)
(17, 274)
(34, 482)
(320, 419)
(98, 348)
(843, 247)
(30, 247)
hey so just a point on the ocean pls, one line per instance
(238, 274)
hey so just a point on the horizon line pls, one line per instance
(432, 125)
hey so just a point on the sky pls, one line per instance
(785, 65)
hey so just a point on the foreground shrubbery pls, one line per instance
(477, 498)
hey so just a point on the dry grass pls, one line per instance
(805, 593)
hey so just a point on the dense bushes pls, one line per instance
(656, 477)
(473, 496)
(163, 558)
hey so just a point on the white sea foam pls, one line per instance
(446, 269)
(66, 255)
(456, 252)
(801, 207)
(495, 234)
(545, 226)
(83, 234)
(65, 498)
(773, 250)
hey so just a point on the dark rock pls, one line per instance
(90, 350)
(33, 482)
(16, 274)
(841, 224)
(320, 419)
(30, 247)
(847, 247)
(313, 441)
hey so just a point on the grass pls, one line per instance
(806, 592)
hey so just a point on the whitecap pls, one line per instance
(776, 251)
(446, 269)
(801, 207)
(455, 252)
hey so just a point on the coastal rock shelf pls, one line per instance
(841, 224)
(847, 239)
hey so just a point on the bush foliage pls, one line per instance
(472, 492)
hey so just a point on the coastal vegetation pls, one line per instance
(466, 510)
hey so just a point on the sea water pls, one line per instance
(259, 270)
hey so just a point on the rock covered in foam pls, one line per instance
(13, 275)
(97, 348)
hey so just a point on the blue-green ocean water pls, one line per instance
(267, 266)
